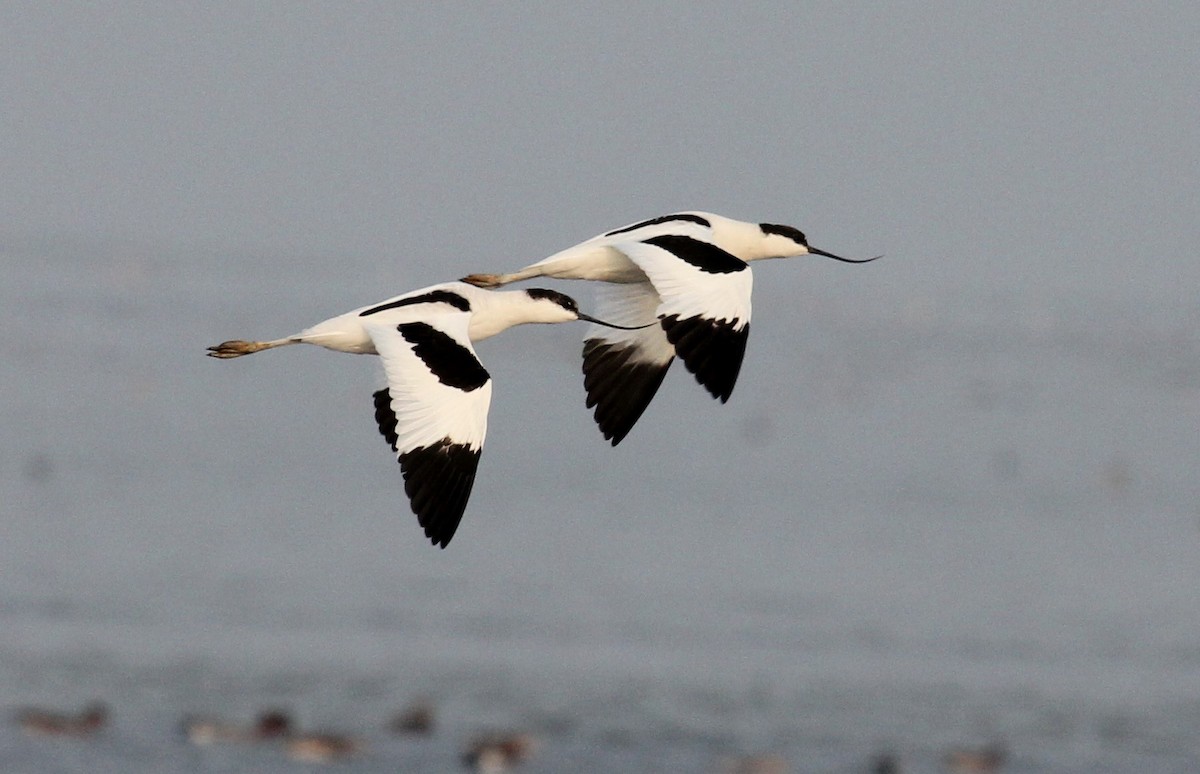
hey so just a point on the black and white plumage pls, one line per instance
(691, 272)
(433, 412)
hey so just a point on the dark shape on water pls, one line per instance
(417, 718)
(92, 718)
(321, 747)
(885, 763)
(754, 764)
(270, 725)
(495, 752)
(39, 467)
(981, 760)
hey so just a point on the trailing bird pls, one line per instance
(433, 411)
(689, 271)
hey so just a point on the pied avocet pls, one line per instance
(434, 410)
(689, 270)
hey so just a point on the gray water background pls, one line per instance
(900, 534)
(952, 501)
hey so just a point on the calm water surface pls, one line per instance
(912, 528)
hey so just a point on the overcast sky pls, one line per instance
(1044, 151)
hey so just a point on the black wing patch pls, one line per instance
(432, 297)
(385, 417)
(711, 349)
(451, 362)
(703, 255)
(438, 481)
(681, 218)
(619, 387)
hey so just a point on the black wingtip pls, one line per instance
(618, 387)
(438, 481)
(711, 349)
(385, 417)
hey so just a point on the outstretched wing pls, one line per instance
(434, 414)
(705, 309)
(623, 369)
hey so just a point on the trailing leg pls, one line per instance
(237, 347)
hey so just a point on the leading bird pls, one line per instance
(689, 270)
(434, 410)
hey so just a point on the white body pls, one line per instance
(490, 313)
(603, 257)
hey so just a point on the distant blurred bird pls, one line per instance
(754, 764)
(496, 752)
(90, 719)
(885, 763)
(687, 270)
(417, 718)
(982, 760)
(270, 725)
(434, 410)
(321, 747)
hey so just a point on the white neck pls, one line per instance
(494, 311)
(739, 238)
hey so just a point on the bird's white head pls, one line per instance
(782, 241)
(757, 241)
(788, 242)
(550, 306)
(494, 311)
(745, 240)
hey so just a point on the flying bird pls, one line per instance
(433, 411)
(689, 271)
